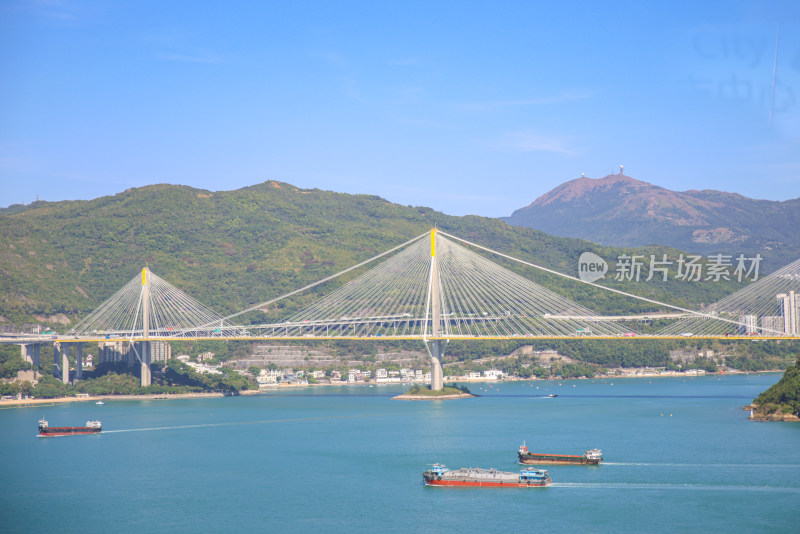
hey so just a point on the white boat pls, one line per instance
(99, 403)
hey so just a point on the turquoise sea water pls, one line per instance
(680, 456)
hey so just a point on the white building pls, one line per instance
(115, 351)
(205, 356)
(772, 325)
(204, 369)
(788, 304)
(160, 351)
(493, 374)
(748, 325)
(269, 376)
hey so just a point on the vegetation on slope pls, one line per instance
(783, 397)
(426, 391)
(233, 249)
(119, 379)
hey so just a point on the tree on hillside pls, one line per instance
(785, 395)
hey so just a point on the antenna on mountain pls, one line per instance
(620, 170)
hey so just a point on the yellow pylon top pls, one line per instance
(433, 242)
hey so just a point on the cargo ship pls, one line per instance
(92, 427)
(591, 457)
(439, 475)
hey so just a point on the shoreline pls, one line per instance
(762, 417)
(28, 403)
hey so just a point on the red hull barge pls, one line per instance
(439, 475)
(46, 431)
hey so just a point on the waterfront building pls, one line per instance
(748, 325)
(772, 325)
(788, 305)
(160, 351)
(205, 356)
(114, 351)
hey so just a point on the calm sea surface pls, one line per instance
(680, 456)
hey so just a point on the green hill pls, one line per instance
(782, 399)
(233, 249)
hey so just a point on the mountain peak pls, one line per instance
(581, 187)
(619, 210)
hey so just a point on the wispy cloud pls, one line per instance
(404, 62)
(422, 123)
(344, 74)
(530, 141)
(525, 102)
(192, 58)
(54, 10)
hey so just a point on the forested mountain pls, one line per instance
(619, 210)
(233, 249)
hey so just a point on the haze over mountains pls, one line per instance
(618, 210)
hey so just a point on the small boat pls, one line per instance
(100, 403)
(439, 475)
(552, 395)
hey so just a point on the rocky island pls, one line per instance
(418, 392)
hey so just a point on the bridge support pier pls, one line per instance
(56, 360)
(437, 374)
(79, 361)
(65, 365)
(146, 377)
(30, 354)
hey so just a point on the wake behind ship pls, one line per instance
(92, 427)
(439, 475)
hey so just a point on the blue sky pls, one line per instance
(466, 107)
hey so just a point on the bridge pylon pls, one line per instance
(435, 350)
(146, 378)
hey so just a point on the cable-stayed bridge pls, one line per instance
(433, 288)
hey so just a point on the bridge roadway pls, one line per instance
(90, 339)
